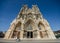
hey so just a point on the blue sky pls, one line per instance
(9, 10)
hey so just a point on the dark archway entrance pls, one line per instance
(29, 34)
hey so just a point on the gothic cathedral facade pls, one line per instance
(29, 24)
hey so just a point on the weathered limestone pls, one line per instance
(30, 24)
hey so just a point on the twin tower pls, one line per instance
(29, 24)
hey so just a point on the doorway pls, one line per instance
(29, 34)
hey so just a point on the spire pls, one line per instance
(23, 10)
(35, 9)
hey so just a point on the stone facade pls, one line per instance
(29, 24)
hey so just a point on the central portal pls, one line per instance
(29, 34)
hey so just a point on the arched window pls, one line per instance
(29, 25)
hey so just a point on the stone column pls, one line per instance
(38, 35)
(21, 33)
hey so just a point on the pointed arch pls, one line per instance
(18, 26)
(29, 25)
(16, 32)
(41, 26)
(43, 33)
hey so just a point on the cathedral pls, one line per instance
(29, 24)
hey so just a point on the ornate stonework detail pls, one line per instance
(29, 24)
